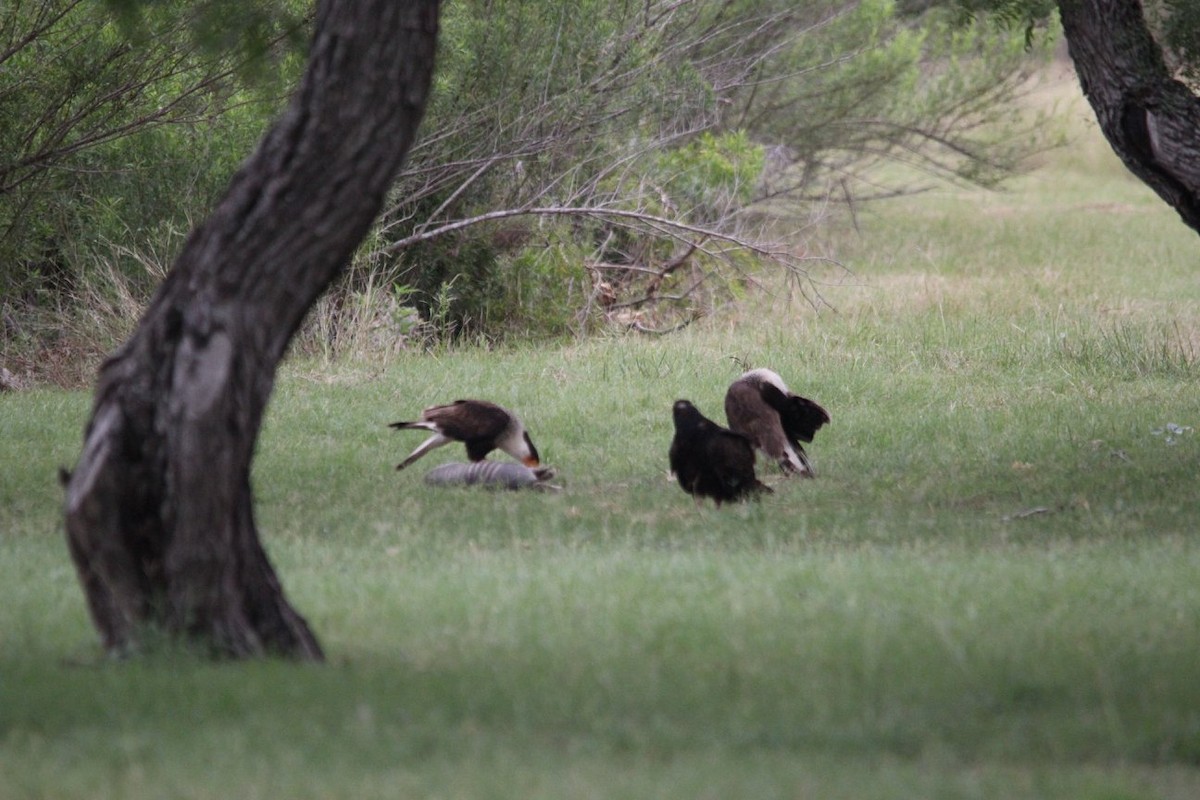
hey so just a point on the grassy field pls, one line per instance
(989, 592)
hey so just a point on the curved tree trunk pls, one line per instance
(159, 512)
(1151, 120)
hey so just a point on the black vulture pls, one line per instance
(711, 461)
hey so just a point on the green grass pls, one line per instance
(989, 592)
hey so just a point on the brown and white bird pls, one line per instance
(711, 461)
(760, 406)
(480, 425)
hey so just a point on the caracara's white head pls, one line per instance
(516, 442)
(764, 375)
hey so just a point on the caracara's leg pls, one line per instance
(432, 443)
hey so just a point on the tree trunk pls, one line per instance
(159, 511)
(1150, 119)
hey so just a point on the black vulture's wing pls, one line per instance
(801, 418)
(731, 459)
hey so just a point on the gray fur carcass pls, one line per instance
(492, 475)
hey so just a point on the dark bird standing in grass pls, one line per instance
(711, 461)
(480, 425)
(759, 406)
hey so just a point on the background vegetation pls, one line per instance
(989, 592)
(581, 164)
(115, 140)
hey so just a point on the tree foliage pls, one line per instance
(1175, 23)
(116, 130)
(1178, 25)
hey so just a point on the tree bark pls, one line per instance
(1150, 118)
(159, 511)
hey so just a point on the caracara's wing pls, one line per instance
(748, 414)
(469, 420)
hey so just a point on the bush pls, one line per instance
(114, 138)
(638, 134)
